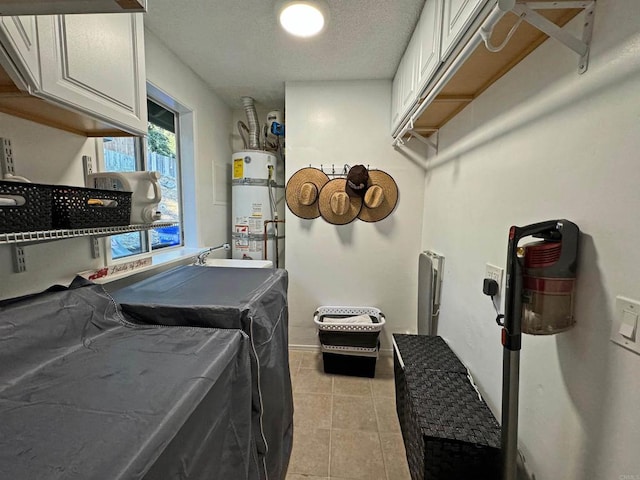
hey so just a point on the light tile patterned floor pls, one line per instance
(345, 428)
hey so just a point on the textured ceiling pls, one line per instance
(238, 48)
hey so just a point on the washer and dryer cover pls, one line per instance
(253, 301)
(86, 394)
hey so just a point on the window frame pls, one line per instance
(141, 151)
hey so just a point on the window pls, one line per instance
(160, 153)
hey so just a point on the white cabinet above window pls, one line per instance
(48, 7)
(19, 35)
(93, 63)
(80, 73)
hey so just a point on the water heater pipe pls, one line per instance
(264, 253)
(254, 125)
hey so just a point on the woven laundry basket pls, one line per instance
(349, 348)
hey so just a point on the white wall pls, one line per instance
(206, 209)
(546, 143)
(47, 155)
(370, 264)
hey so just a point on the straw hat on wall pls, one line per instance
(303, 190)
(336, 206)
(380, 198)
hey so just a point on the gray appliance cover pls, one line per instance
(253, 300)
(84, 394)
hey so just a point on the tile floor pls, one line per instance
(345, 428)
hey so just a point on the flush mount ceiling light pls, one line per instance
(303, 18)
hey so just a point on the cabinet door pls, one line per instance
(458, 15)
(409, 66)
(19, 37)
(395, 101)
(429, 31)
(95, 64)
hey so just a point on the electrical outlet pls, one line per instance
(87, 166)
(494, 273)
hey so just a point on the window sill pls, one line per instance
(159, 262)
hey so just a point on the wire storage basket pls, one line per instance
(25, 207)
(348, 347)
(79, 207)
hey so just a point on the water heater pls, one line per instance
(256, 195)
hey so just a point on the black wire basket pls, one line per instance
(32, 209)
(78, 207)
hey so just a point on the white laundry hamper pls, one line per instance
(349, 348)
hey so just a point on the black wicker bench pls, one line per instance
(449, 432)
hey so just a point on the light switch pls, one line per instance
(628, 326)
(624, 329)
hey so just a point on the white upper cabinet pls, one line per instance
(85, 73)
(95, 64)
(429, 31)
(395, 100)
(19, 36)
(440, 27)
(419, 62)
(404, 87)
(458, 15)
(409, 66)
(48, 7)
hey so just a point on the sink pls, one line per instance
(237, 263)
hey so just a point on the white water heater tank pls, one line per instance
(253, 171)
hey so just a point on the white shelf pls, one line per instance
(28, 238)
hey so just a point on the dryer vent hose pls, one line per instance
(254, 125)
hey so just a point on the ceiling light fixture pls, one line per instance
(303, 18)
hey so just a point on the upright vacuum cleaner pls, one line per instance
(540, 290)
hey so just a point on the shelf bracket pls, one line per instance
(426, 140)
(19, 261)
(95, 247)
(527, 11)
(7, 164)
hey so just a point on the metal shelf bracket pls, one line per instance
(527, 12)
(19, 262)
(7, 165)
(95, 247)
(426, 140)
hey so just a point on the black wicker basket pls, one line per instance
(32, 211)
(78, 207)
(448, 431)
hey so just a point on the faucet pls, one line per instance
(202, 256)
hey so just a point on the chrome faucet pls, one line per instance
(202, 256)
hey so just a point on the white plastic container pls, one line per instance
(144, 185)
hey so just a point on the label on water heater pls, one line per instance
(238, 168)
(255, 225)
(242, 242)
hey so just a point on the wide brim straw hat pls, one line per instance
(336, 206)
(381, 197)
(303, 190)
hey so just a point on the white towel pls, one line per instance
(7, 202)
(356, 319)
